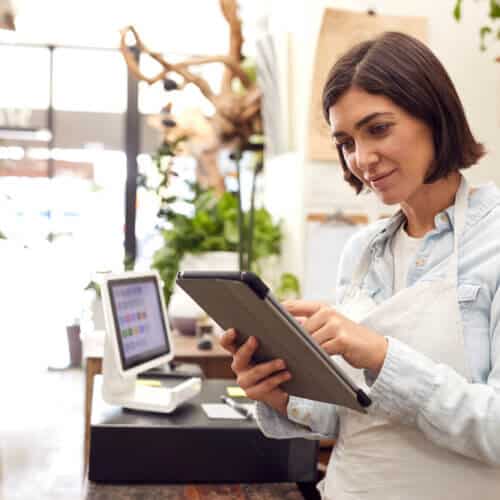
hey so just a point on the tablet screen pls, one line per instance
(138, 318)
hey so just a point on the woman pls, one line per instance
(418, 300)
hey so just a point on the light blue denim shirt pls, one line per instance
(457, 414)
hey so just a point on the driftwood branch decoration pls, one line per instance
(237, 114)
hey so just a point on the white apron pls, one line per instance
(376, 459)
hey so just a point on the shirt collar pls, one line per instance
(386, 229)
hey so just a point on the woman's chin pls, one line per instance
(389, 197)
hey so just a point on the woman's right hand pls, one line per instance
(260, 381)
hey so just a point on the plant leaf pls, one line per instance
(457, 11)
(213, 243)
(289, 286)
(483, 31)
(231, 231)
(494, 9)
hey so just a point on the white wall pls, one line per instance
(307, 186)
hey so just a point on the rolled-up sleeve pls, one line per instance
(305, 419)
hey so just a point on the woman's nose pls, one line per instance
(366, 158)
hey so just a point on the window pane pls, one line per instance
(25, 77)
(89, 80)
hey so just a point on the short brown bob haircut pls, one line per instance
(404, 70)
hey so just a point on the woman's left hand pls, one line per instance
(336, 334)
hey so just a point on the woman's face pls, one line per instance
(386, 148)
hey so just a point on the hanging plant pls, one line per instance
(488, 33)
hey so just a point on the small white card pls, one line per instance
(216, 410)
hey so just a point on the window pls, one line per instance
(25, 77)
(90, 80)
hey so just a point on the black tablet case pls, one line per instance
(232, 303)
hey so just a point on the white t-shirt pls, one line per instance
(404, 248)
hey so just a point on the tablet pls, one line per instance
(241, 300)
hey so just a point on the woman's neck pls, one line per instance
(431, 199)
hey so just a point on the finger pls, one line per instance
(243, 356)
(302, 307)
(326, 333)
(325, 315)
(228, 340)
(260, 372)
(300, 319)
(260, 390)
(335, 346)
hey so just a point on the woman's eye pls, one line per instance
(379, 129)
(346, 145)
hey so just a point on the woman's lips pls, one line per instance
(381, 182)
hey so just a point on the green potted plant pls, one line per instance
(214, 227)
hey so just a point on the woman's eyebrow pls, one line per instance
(363, 121)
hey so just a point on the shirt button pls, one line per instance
(420, 262)
(295, 413)
(443, 218)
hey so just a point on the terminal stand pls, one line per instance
(124, 391)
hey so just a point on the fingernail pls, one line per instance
(281, 364)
